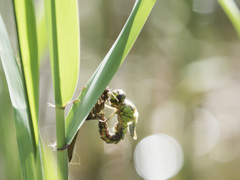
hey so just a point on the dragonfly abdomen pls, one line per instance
(120, 130)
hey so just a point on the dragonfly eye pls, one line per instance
(121, 95)
(117, 96)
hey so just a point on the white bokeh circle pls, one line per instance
(158, 157)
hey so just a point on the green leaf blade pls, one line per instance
(108, 67)
(63, 34)
(41, 34)
(45, 162)
(28, 45)
(24, 131)
(26, 151)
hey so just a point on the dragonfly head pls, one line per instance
(117, 97)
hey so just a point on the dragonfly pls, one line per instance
(127, 116)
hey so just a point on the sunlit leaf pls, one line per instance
(41, 32)
(27, 35)
(45, 162)
(23, 126)
(63, 34)
(108, 67)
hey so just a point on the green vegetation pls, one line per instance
(182, 74)
(62, 24)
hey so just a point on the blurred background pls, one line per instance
(183, 75)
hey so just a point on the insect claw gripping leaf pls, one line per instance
(95, 114)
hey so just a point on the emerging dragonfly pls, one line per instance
(127, 116)
(125, 110)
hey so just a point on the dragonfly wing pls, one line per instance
(132, 126)
(132, 130)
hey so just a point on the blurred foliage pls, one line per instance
(186, 85)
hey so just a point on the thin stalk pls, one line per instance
(52, 7)
(62, 160)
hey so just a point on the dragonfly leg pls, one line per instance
(110, 117)
(110, 107)
(110, 93)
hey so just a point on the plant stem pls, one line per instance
(233, 13)
(62, 160)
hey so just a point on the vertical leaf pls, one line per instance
(18, 99)
(28, 47)
(27, 35)
(63, 35)
(45, 162)
(41, 32)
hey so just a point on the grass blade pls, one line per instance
(17, 95)
(233, 13)
(41, 32)
(27, 36)
(45, 162)
(63, 34)
(28, 48)
(108, 67)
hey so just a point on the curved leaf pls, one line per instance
(108, 67)
(233, 13)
